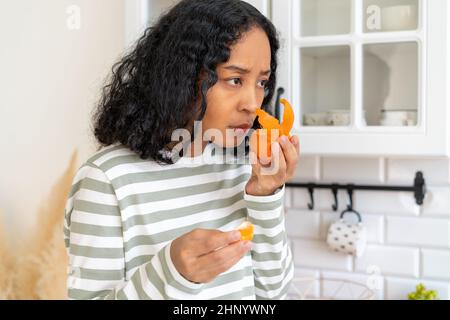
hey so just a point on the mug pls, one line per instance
(315, 119)
(398, 117)
(346, 237)
(338, 117)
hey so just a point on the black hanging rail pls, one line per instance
(419, 187)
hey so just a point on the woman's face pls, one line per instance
(239, 91)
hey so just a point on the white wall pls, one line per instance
(50, 79)
(407, 243)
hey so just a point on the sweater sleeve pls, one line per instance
(95, 246)
(271, 254)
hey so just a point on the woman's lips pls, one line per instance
(241, 130)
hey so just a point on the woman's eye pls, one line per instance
(238, 81)
(263, 83)
(234, 81)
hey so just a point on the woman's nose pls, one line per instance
(251, 101)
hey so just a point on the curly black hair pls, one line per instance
(154, 88)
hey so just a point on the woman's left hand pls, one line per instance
(266, 179)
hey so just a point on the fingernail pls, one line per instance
(246, 244)
(284, 139)
(236, 235)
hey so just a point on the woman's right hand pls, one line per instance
(201, 255)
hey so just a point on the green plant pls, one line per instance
(422, 293)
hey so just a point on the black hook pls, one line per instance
(350, 209)
(334, 189)
(311, 196)
(280, 91)
(350, 196)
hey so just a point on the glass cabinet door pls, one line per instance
(391, 84)
(390, 15)
(325, 17)
(391, 71)
(326, 86)
(372, 72)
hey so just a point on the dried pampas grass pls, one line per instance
(6, 266)
(41, 269)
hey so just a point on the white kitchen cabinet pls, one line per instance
(367, 77)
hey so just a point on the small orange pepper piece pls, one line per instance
(246, 229)
(266, 120)
(288, 118)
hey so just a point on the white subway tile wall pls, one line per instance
(403, 170)
(308, 253)
(391, 260)
(303, 224)
(364, 169)
(308, 169)
(407, 244)
(419, 231)
(436, 264)
(437, 202)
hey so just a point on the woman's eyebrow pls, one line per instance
(244, 70)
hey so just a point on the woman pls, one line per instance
(148, 217)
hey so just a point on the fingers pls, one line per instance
(291, 154)
(263, 147)
(210, 240)
(260, 145)
(289, 150)
(223, 259)
(201, 254)
(296, 143)
(277, 164)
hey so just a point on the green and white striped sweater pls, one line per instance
(123, 212)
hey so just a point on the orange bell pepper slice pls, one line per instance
(265, 138)
(246, 229)
(288, 118)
